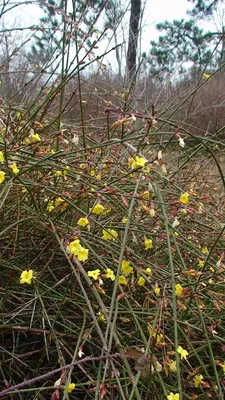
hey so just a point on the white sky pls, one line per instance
(156, 11)
(159, 11)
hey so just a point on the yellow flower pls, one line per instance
(35, 137)
(58, 201)
(205, 250)
(65, 171)
(74, 247)
(50, 206)
(19, 116)
(92, 172)
(83, 222)
(157, 290)
(126, 268)
(183, 353)
(148, 244)
(198, 380)
(94, 274)
(110, 274)
(122, 280)
(98, 209)
(2, 176)
(178, 289)
(26, 276)
(201, 263)
(138, 162)
(158, 337)
(2, 159)
(101, 316)
(27, 140)
(146, 195)
(110, 234)
(173, 366)
(184, 198)
(82, 254)
(173, 396)
(58, 173)
(14, 168)
(207, 76)
(124, 220)
(71, 387)
(148, 271)
(141, 281)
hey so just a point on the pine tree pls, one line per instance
(184, 45)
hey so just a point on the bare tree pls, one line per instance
(17, 74)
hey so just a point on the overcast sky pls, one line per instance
(160, 10)
(156, 11)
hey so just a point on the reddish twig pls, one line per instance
(56, 371)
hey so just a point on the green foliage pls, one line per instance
(184, 45)
(47, 38)
(113, 14)
(204, 8)
(182, 42)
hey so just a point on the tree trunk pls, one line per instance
(222, 53)
(118, 58)
(133, 37)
